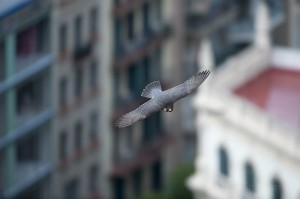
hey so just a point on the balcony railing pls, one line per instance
(23, 62)
(40, 63)
(32, 10)
(140, 156)
(134, 51)
(35, 173)
(26, 128)
(124, 6)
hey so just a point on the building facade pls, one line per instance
(77, 99)
(247, 128)
(139, 43)
(26, 112)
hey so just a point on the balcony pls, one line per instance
(144, 155)
(31, 99)
(26, 129)
(39, 64)
(22, 13)
(82, 52)
(31, 162)
(132, 52)
(38, 173)
(199, 25)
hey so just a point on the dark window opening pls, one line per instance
(223, 164)
(63, 38)
(119, 188)
(63, 92)
(62, 145)
(93, 178)
(78, 136)
(250, 178)
(277, 189)
(72, 190)
(157, 176)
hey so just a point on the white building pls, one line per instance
(248, 126)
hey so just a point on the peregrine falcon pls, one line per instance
(161, 100)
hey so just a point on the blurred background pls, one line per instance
(70, 68)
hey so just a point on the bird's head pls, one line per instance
(168, 108)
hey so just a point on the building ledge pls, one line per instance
(32, 179)
(26, 128)
(22, 14)
(35, 68)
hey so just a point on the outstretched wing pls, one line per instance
(140, 113)
(187, 87)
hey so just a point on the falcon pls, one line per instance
(161, 100)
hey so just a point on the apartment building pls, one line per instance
(139, 45)
(249, 126)
(250, 129)
(77, 98)
(26, 111)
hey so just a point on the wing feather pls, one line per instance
(188, 86)
(140, 113)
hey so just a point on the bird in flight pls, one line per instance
(161, 100)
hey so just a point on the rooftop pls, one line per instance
(276, 89)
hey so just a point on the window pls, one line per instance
(146, 21)
(93, 74)
(94, 125)
(63, 38)
(63, 92)
(28, 150)
(78, 27)
(119, 188)
(137, 182)
(157, 176)
(133, 73)
(31, 98)
(62, 145)
(3, 114)
(130, 21)
(129, 137)
(223, 162)
(94, 20)
(2, 61)
(93, 178)
(277, 189)
(152, 127)
(27, 42)
(78, 81)
(117, 37)
(250, 178)
(71, 190)
(78, 136)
